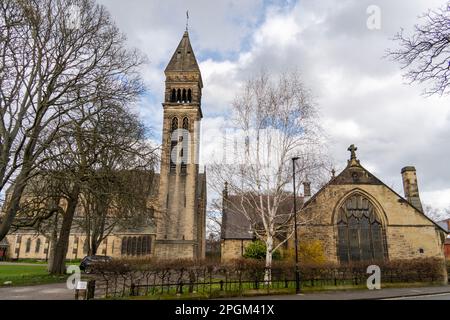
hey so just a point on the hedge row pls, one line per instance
(417, 270)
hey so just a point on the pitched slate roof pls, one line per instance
(235, 225)
(183, 58)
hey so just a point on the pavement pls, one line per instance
(54, 291)
(422, 293)
(59, 291)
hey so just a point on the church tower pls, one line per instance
(182, 190)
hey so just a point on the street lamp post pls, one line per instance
(297, 271)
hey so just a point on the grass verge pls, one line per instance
(20, 275)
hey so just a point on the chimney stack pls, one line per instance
(410, 187)
(306, 190)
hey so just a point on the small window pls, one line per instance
(139, 246)
(133, 246)
(124, 245)
(28, 246)
(185, 123)
(38, 246)
(149, 244)
(174, 124)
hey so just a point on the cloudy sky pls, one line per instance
(362, 97)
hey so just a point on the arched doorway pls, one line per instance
(361, 234)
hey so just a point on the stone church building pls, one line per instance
(179, 193)
(356, 217)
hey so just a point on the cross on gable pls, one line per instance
(352, 150)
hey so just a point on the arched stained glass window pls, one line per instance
(361, 235)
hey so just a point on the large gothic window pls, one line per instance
(360, 231)
(136, 246)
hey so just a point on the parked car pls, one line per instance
(88, 262)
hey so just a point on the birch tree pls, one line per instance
(277, 120)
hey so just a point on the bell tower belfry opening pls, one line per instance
(182, 191)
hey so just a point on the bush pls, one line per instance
(309, 252)
(257, 250)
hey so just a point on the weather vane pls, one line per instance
(187, 19)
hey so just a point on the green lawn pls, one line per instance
(27, 275)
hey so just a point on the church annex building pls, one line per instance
(356, 217)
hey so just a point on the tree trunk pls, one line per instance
(58, 265)
(13, 203)
(269, 251)
(52, 244)
(94, 247)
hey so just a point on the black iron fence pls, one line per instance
(188, 279)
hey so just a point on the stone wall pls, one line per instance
(175, 250)
(233, 249)
(111, 246)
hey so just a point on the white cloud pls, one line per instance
(361, 95)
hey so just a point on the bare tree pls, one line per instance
(426, 53)
(117, 192)
(436, 214)
(54, 70)
(278, 121)
(96, 176)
